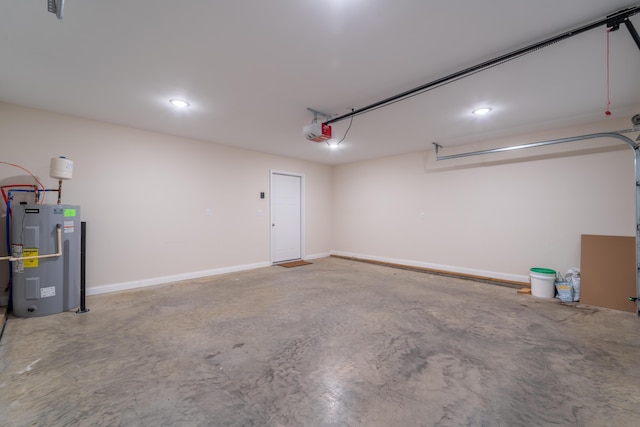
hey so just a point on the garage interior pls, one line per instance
(406, 312)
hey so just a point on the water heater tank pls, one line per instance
(43, 286)
(61, 168)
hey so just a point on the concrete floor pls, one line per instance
(336, 343)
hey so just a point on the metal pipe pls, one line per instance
(636, 154)
(633, 32)
(537, 144)
(83, 262)
(59, 191)
(615, 17)
(636, 177)
(8, 231)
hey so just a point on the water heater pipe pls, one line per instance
(57, 254)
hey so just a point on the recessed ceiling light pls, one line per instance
(481, 111)
(179, 103)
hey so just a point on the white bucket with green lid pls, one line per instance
(543, 282)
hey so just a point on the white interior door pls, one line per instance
(286, 217)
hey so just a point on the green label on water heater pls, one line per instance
(69, 212)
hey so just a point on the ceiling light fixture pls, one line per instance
(333, 144)
(179, 103)
(481, 111)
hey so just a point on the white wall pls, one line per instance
(144, 196)
(492, 216)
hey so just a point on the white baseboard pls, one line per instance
(136, 284)
(446, 268)
(316, 256)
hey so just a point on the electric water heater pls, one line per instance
(49, 284)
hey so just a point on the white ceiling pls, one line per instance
(251, 67)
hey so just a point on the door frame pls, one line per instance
(302, 212)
